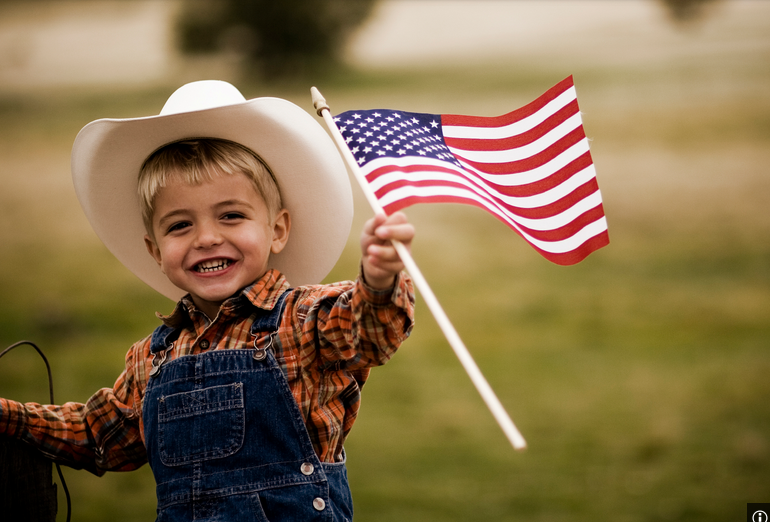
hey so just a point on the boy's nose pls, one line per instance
(208, 236)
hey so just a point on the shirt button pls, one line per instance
(319, 504)
(204, 344)
(307, 468)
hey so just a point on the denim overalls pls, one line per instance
(226, 441)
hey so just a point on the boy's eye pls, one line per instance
(232, 215)
(177, 226)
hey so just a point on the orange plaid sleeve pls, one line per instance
(101, 435)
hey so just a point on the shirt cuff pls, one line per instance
(400, 294)
(12, 418)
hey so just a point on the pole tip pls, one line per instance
(319, 103)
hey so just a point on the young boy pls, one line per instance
(242, 399)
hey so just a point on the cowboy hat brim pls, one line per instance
(108, 154)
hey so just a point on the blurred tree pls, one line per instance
(684, 11)
(276, 38)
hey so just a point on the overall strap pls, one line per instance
(269, 321)
(162, 338)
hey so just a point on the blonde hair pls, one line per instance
(198, 160)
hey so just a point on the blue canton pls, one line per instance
(384, 133)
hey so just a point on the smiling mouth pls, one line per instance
(212, 266)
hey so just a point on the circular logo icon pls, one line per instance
(759, 516)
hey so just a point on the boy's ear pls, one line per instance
(281, 229)
(153, 249)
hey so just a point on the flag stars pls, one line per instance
(388, 133)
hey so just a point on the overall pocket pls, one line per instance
(201, 424)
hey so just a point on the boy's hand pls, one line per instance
(380, 260)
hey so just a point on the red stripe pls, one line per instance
(570, 229)
(575, 256)
(534, 161)
(529, 189)
(519, 140)
(558, 234)
(511, 117)
(545, 211)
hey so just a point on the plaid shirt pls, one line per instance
(329, 338)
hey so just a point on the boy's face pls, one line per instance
(213, 239)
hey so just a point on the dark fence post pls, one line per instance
(27, 491)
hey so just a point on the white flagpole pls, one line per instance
(491, 400)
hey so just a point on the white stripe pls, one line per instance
(509, 180)
(538, 173)
(547, 223)
(518, 127)
(524, 152)
(554, 247)
(537, 200)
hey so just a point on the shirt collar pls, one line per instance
(263, 293)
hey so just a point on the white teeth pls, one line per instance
(212, 266)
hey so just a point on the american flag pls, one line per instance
(531, 168)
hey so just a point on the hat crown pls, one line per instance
(201, 95)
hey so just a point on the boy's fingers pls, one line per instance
(371, 224)
(400, 232)
(383, 253)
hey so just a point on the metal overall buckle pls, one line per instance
(261, 353)
(158, 358)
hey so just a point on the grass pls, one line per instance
(639, 377)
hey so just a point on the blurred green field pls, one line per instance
(639, 377)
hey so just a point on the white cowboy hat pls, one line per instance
(108, 154)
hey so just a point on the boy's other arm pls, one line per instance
(100, 435)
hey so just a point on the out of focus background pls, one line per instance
(640, 377)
